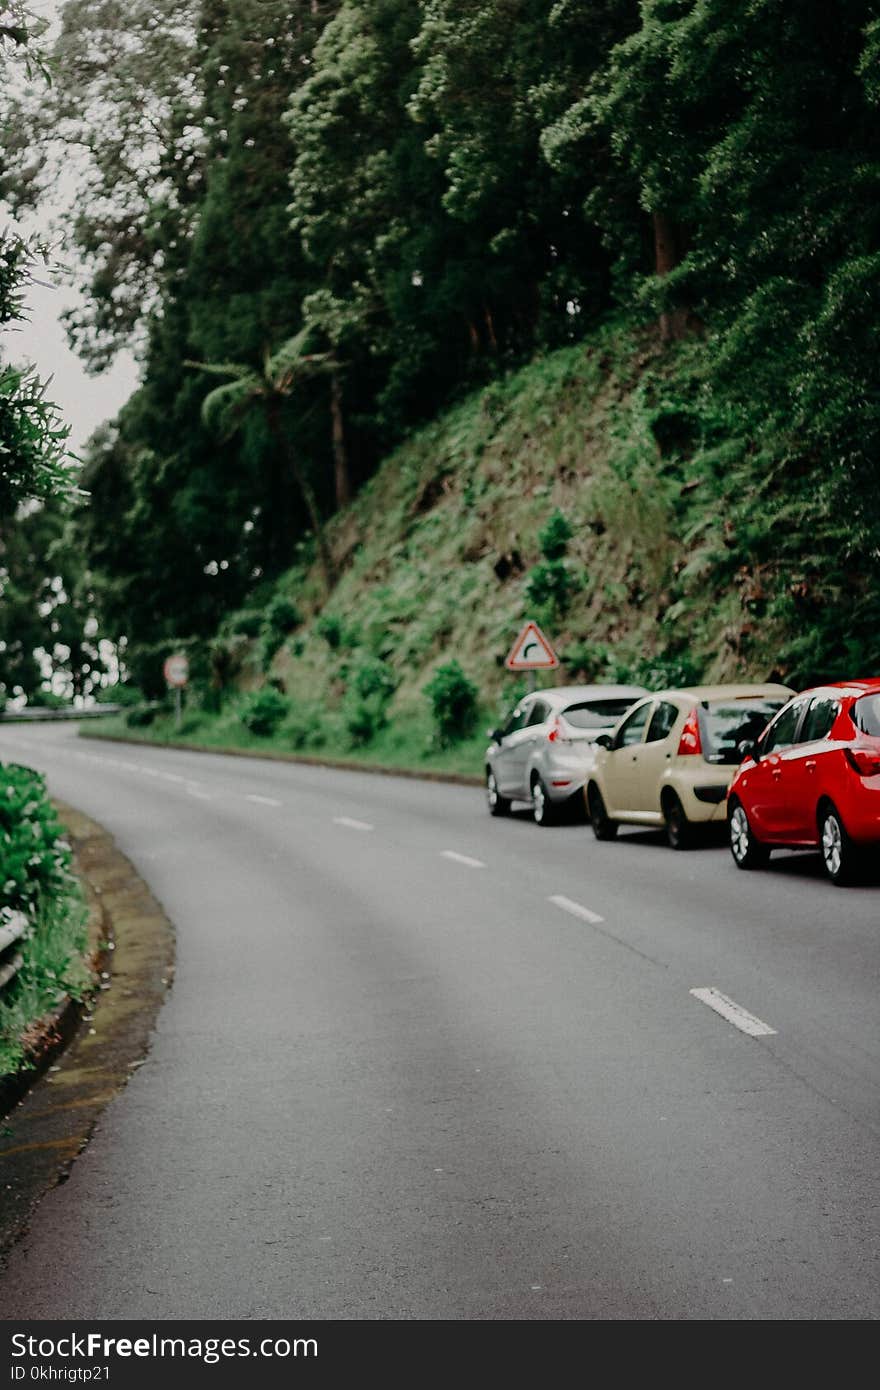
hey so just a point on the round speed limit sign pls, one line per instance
(176, 670)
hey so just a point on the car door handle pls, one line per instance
(810, 764)
(777, 773)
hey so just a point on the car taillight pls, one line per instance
(866, 761)
(690, 741)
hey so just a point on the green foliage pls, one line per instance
(53, 967)
(34, 855)
(553, 538)
(140, 717)
(454, 703)
(332, 629)
(371, 687)
(264, 710)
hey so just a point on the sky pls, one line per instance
(84, 401)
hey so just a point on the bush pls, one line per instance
(454, 705)
(362, 721)
(374, 679)
(264, 711)
(553, 538)
(247, 622)
(120, 694)
(550, 586)
(282, 615)
(140, 718)
(34, 855)
(331, 629)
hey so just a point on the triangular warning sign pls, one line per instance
(531, 651)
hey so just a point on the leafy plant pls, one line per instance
(553, 537)
(454, 705)
(264, 710)
(34, 853)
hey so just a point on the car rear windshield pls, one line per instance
(867, 715)
(595, 714)
(727, 724)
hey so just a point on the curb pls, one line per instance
(461, 779)
(82, 1069)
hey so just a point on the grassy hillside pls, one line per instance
(692, 554)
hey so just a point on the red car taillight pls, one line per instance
(866, 761)
(690, 741)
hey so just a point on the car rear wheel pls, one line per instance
(680, 833)
(498, 804)
(603, 827)
(839, 854)
(748, 853)
(543, 809)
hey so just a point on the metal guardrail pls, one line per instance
(12, 928)
(26, 716)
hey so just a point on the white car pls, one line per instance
(544, 753)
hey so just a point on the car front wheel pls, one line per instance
(748, 853)
(498, 804)
(839, 854)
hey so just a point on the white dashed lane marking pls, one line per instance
(263, 800)
(575, 909)
(733, 1012)
(462, 859)
(351, 824)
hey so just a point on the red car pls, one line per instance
(813, 780)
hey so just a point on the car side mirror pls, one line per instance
(748, 749)
(605, 741)
(496, 735)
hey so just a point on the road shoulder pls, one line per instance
(41, 1138)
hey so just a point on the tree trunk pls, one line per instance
(341, 475)
(308, 495)
(674, 323)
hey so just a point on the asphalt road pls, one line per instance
(395, 1078)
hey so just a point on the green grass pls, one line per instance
(406, 742)
(54, 967)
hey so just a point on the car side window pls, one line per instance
(662, 721)
(517, 720)
(781, 733)
(633, 726)
(539, 712)
(819, 718)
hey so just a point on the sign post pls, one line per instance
(531, 652)
(176, 670)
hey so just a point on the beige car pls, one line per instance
(671, 759)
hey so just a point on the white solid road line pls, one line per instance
(576, 909)
(733, 1012)
(462, 859)
(264, 800)
(351, 824)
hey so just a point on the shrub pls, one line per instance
(264, 711)
(374, 679)
(140, 718)
(247, 622)
(362, 722)
(550, 586)
(553, 538)
(330, 628)
(282, 615)
(34, 855)
(453, 700)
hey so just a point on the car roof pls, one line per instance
(566, 694)
(700, 693)
(853, 689)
